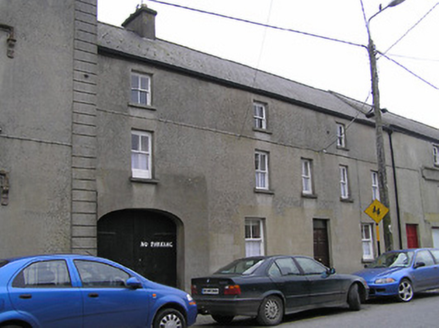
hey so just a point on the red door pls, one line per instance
(412, 235)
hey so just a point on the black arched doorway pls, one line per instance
(143, 240)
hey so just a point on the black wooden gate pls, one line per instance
(142, 240)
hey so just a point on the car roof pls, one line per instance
(48, 256)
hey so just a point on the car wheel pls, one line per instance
(271, 311)
(405, 291)
(169, 318)
(223, 319)
(354, 301)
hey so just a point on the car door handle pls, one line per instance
(93, 295)
(25, 296)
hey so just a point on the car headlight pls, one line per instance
(384, 281)
(189, 298)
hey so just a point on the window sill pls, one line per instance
(310, 196)
(144, 180)
(262, 130)
(147, 107)
(264, 191)
(343, 148)
(346, 200)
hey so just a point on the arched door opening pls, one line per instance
(143, 240)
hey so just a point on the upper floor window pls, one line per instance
(141, 89)
(344, 182)
(375, 186)
(436, 155)
(341, 135)
(307, 177)
(141, 154)
(261, 170)
(254, 237)
(260, 116)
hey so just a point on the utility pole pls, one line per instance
(381, 156)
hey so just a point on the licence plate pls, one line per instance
(210, 291)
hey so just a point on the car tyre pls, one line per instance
(223, 319)
(271, 311)
(169, 318)
(354, 300)
(405, 291)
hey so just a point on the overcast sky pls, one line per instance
(320, 63)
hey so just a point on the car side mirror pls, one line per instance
(133, 283)
(419, 264)
(328, 272)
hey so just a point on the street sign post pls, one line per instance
(377, 211)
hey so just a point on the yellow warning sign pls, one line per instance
(377, 211)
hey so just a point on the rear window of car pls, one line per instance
(245, 266)
(435, 253)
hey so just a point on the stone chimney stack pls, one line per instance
(142, 22)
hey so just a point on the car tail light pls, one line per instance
(194, 290)
(232, 290)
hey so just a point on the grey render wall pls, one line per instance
(43, 95)
(203, 152)
(36, 99)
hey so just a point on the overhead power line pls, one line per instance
(309, 34)
(260, 24)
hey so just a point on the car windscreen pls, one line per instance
(3, 263)
(392, 259)
(244, 266)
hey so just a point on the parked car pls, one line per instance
(269, 287)
(86, 291)
(402, 273)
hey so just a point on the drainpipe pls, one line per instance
(395, 181)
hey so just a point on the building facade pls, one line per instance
(175, 162)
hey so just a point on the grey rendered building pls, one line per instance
(175, 162)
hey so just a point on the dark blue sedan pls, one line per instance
(86, 291)
(402, 273)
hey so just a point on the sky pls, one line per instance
(408, 34)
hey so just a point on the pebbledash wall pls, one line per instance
(66, 154)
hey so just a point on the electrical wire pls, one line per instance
(260, 24)
(410, 29)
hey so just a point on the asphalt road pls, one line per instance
(421, 312)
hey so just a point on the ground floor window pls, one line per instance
(254, 237)
(367, 241)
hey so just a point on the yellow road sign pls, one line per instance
(377, 211)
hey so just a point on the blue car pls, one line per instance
(402, 273)
(86, 291)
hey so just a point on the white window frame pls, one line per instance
(367, 241)
(436, 155)
(341, 135)
(142, 88)
(261, 170)
(254, 245)
(375, 186)
(344, 182)
(307, 184)
(141, 158)
(260, 115)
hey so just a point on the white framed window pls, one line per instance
(254, 237)
(261, 170)
(436, 155)
(141, 89)
(367, 241)
(341, 135)
(141, 154)
(344, 182)
(260, 116)
(307, 177)
(375, 186)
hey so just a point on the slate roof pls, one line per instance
(127, 43)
